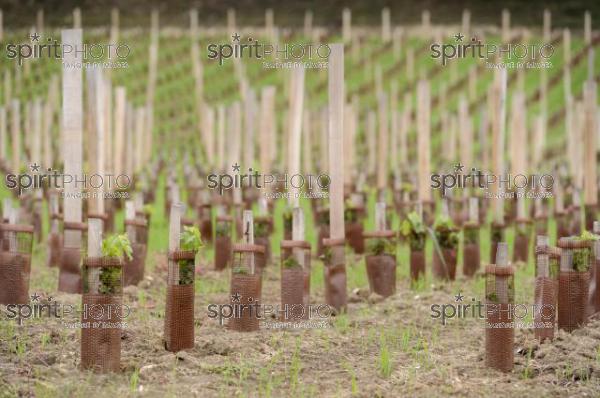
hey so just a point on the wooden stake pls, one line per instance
(120, 121)
(3, 135)
(346, 25)
(336, 144)
(590, 143)
(382, 157)
(249, 127)
(423, 140)
(177, 210)
(386, 31)
(466, 23)
(15, 132)
(498, 127)
(466, 133)
(221, 138)
(502, 282)
(130, 215)
(77, 18)
(296, 131)
(518, 137)
(380, 216)
(587, 28)
(248, 227)
(308, 22)
(298, 233)
(547, 25)
(72, 126)
(94, 250)
(371, 142)
(505, 26)
(231, 27)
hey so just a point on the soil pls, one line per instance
(384, 348)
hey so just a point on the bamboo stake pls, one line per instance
(466, 133)
(177, 210)
(94, 250)
(386, 31)
(474, 210)
(120, 121)
(77, 18)
(296, 131)
(587, 28)
(590, 143)
(466, 23)
(382, 165)
(3, 135)
(501, 281)
(346, 25)
(518, 137)
(308, 22)
(498, 126)
(16, 135)
(248, 225)
(423, 140)
(98, 201)
(505, 26)
(72, 126)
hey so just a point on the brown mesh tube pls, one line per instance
(101, 334)
(444, 267)
(499, 332)
(141, 229)
(574, 220)
(417, 264)
(335, 278)
(133, 272)
(594, 295)
(545, 301)
(286, 250)
(69, 277)
(179, 309)
(572, 299)
(222, 252)
(428, 212)
(323, 234)
(499, 339)
(381, 268)
(590, 216)
(15, 263)
(381, 271)
(179, 318)
(206, 227)
(245, 297)
(292, 293)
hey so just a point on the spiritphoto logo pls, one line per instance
(306, 184)
(38, 178)
(519, 313)
(45, 307)
(511, 185)
(296, 316)
(284, 55)
(511, 55)
(91, 54)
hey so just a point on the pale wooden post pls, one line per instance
(3, 134)
(382, 142)
(346, 25)
(72, 126)
(114, 31)
(97, 204)
(129, 142)
(404, 129)
(394, 127)
(249, 128)
(296, 131)
(269, 24)
(248, 233)
(298, 233)
(349, 137)
(209, 127)
(39, 20)
(6, 209)
(77, 18)
(324, 144)
(221, 137)
(474, 210)
(425, 23)
(423, 140)
(542, 258)
(466, 23)
(587, 28)
(1, 25)
(7, 94)
(466, 133)
(231, 21)
(501, 281)
(371, 142)
(308, 22)
(94, 250)
(590, 145)
(15, 132)
(267, 127)
(498, 127)
(120, 120)
(307, 148)
(336, 150)
(235, 151)
(505, 26)
(386, 31)
(140, 119)
(175, 215)
(518, 136)
(130, 216)
(547, 25)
